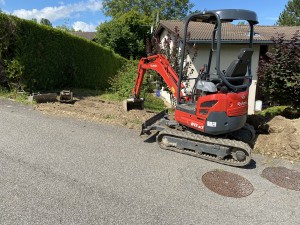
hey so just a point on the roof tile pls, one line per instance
(230, 32)
(88, 35)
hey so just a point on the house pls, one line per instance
(234, 37)
(87, 35)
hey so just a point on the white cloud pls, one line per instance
(2, 2)
(272, 18)
(85, 27)
(59, 12)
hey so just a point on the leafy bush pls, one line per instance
(279, 73)
(15, 95)
(272, 111)
(125, 34)
(14, 71)
(285, 111)
(154, 103)
(50, 58)
(123, 83)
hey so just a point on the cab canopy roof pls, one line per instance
(225, 15)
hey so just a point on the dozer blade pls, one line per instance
(152, 126)
(133, 103)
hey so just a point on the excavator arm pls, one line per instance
(162, 66)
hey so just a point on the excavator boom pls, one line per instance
(162, 66)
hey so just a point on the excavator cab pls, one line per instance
(223, 103)
(234, 77)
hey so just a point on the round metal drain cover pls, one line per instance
(283, 177)
(227, 184)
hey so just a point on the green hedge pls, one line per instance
(50, 58)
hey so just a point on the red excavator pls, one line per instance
(210, 121)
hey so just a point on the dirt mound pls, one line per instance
(94, 109)
(283, 140)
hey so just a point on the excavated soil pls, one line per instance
(94, 109)
(283, 140)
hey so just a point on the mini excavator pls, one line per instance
(210, 122)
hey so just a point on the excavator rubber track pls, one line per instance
(181, 142)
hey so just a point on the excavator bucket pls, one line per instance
(133, 103)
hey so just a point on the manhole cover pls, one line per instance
(283, 177)
(227, 184)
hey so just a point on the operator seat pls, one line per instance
(238, 68)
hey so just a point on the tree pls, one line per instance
(168, 9)
(279, 73)
(131, 20)
(46, 22)
(125, 34)
(291, 14)
(65, 28)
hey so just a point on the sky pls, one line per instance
(86, 15)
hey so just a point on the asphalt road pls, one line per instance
(64, 171)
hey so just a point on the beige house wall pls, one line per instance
(229, 52)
